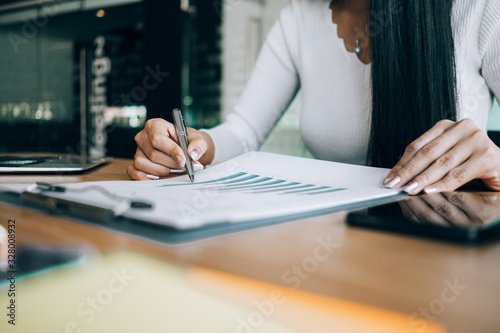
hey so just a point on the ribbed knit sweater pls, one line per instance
(303, 51)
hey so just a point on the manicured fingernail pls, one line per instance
(152, 177)
(198, 167)
(176, 171)
(393, 182)
(430, 190)
(410, 188)
(180, 161)
(389, 177)
(195, 154)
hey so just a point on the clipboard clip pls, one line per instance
(34, 194)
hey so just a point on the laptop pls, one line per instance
(48, 163)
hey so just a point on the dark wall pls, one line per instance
(162, 54)
(156, 51)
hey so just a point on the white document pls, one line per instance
(252, 187)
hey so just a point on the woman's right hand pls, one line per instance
(159, 154)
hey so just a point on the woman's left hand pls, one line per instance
(446, 157)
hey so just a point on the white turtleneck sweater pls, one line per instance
(303, 51)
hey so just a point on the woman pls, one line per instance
(391, 83)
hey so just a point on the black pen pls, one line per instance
(182, 135)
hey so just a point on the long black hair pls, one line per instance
(413, 73)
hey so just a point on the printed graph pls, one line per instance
(257, 184)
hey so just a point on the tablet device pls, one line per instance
(48, 163)
(455, 216)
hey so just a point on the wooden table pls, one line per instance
(404, 274)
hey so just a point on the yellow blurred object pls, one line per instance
(132, 292)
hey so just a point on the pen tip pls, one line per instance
(192, 178)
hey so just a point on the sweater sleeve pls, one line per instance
(490, 46)
(269, 91)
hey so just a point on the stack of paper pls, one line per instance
(255, 186)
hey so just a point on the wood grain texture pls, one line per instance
(395, 272)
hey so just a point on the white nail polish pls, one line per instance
(410, 188)
(393, 182)
(430, 190)
(176, 171)
(152, 177)
(195, 154)
(388, 179)
(198, 167)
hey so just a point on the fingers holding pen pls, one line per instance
(143, 168)
(167, 154)
(158, 141)
(159, 153)
(197, 144)
(145, 164)
(161, 136)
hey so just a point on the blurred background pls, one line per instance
(83, 76)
